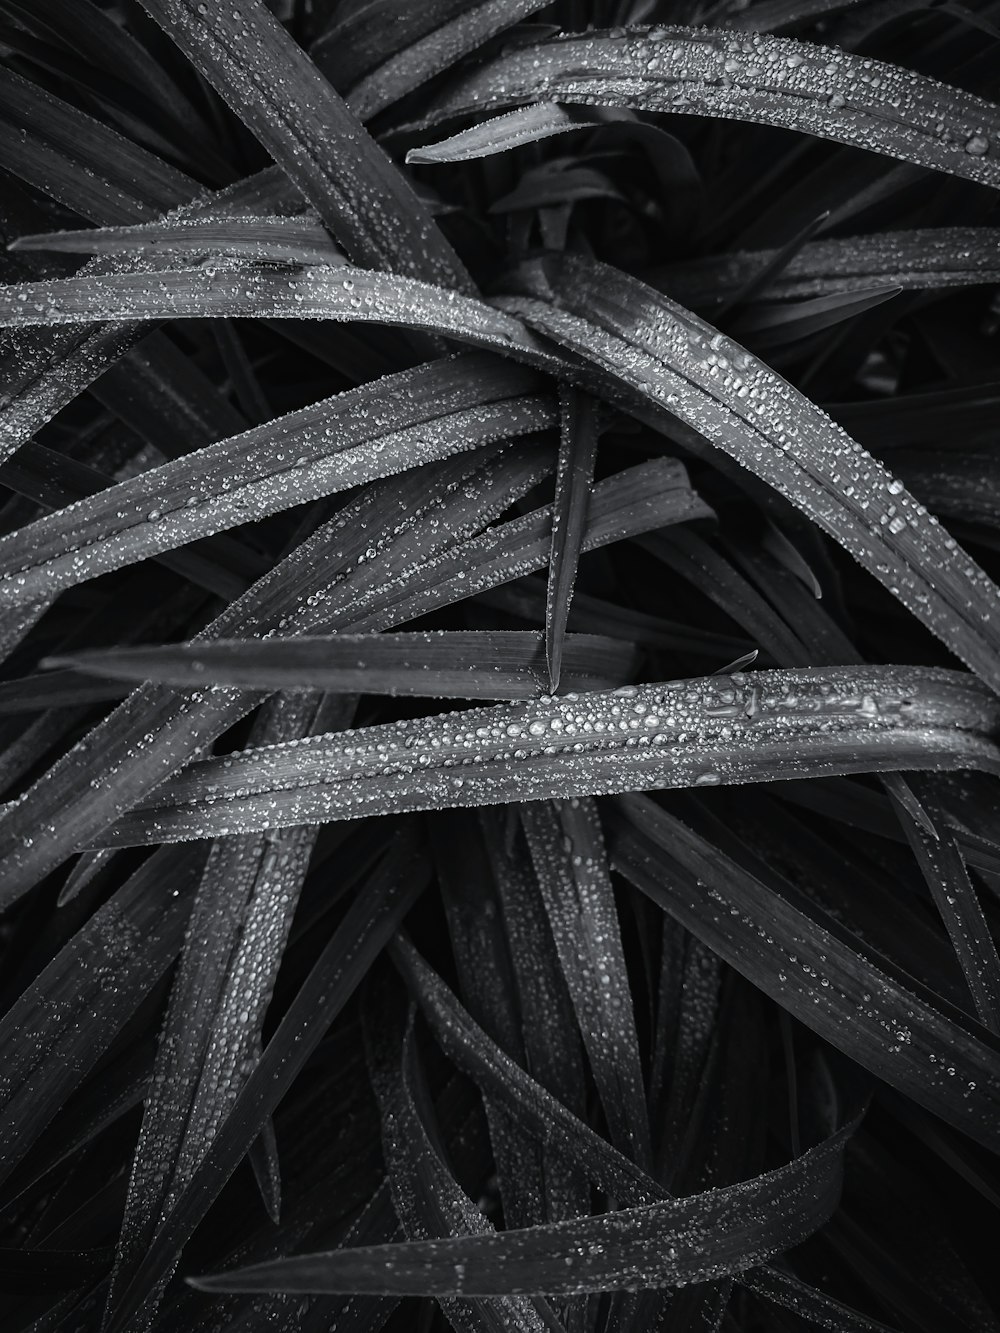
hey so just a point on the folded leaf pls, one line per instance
(525, 125)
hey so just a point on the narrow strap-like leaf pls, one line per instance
(571, 865)
(789, 950)
(368, 924)
(525, 125)
(768, 80)
(391, 425)
(270, 239)
(273, 86)
(79, 161)
(675, 361)
(574, 477)
(437, 664)
(428, 1200)
(691, 1240)
(955, 897)
(928, 258)
(210, 1039)
(435, 51)
(62, 1024)
(717, 729)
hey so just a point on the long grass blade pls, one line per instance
(407, 420)
(435, 664)
(574, 477)
(776, 81)
(677, 363)
(777, 942)
(758, 728)
(283, 98)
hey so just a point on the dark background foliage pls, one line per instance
(498, 754)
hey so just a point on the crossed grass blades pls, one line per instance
(499, 728)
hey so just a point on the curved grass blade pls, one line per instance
(266, 292)
(784, 1289)
(221, 564)
(483, 951)
(435, 664)
(551, 1049)
(273, 86)
(940, 860)
(343, 575)
(564, 1134)
(211, 1035)
(427, 1198)
(658, 1246)
(767, 325)
(789, 948)
(439, 47)
(931, 258)
(65, 1020)
(717, 729)
(271, 239)
(778, 81)
(571, 866)
(799, 1186)
(369, 923)
(578, 438)
(77, 160)
(391, 425)
(674, 361)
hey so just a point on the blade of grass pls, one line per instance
(388, 426)
(929, 258)
(778, 81)
(262, 240)
(211, 1035)
(436, 664)
(578, 438)
(789, 949)
(673, 360)
(716, 729)
(571, 867)
(273, 86)
(367, 926)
